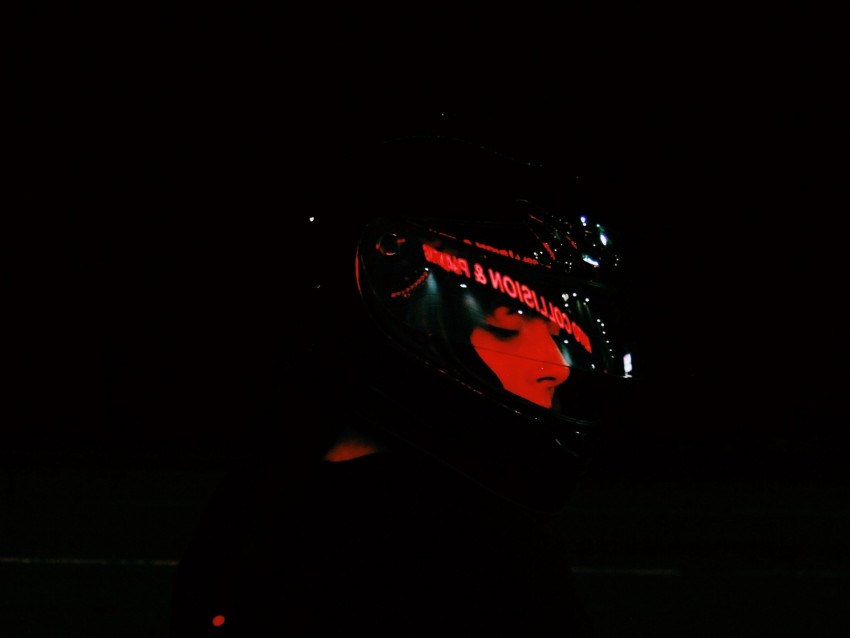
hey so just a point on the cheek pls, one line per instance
(490, 349)
(504, 357)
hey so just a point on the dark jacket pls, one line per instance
(383, 545)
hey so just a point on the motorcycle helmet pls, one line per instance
(458, 302)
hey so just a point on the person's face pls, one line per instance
(522, 353)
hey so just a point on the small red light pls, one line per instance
(218, 621)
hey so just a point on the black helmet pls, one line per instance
(458, 303)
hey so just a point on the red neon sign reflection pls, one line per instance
(509, 287)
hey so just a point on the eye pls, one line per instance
(502, 334)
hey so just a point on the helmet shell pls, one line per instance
(415, 243)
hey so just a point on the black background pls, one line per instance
(153, 155)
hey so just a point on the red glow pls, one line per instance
(521, 352)
(348, 450)
(218, 620)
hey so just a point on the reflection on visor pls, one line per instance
(521, 352)
(512, 289)
(517, 315)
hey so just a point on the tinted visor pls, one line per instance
(510, 308)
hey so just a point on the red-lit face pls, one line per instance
(522, 353)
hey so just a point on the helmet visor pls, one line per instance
(511, 309)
